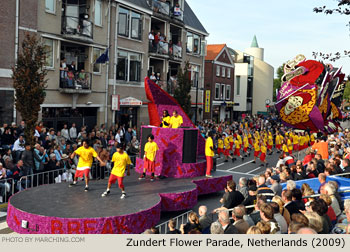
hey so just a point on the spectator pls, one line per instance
(320, 207)
(234, 197)
(267, 214)
(241, 225)
(264, 227)
(28, 160)
(227, 226)
(282, 223)
(254, 230)
(291, 206)
(275, 185)
(172, 227)
(18, 147)
(330, 190)
(204, 219)
(73, 133)
(193, 223)
(65, 132)
(243, 189)
(216, 228)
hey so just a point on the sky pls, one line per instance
(283, 28)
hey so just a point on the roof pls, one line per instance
(190, 19)
(141, 3)
(213, 51)
(254, 43)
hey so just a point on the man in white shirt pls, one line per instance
(117, 136)
(73, 132)
(65, 132)
(18, 147)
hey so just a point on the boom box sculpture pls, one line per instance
(310, 95)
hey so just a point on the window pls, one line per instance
(195, 75)
(50, 6)
(193, 43)
(123, 25)
(129, 66)
(238, 85)
(189, 48)
(48, 45)
(222, 95)
(228, 92)
(218, 70)
(130, 20)
(98, 12)
(196, 44)
(6, 105)
(228, 73)
(135, 66)
(122, 66)
(217, 91)
(135, 25)
(223, 71)
(96, 54)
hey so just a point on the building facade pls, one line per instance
(76, 33)
(253, 81)
(219, 84)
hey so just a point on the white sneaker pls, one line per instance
(123, 196)
(105, 193)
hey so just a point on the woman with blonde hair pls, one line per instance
(283, 211)
(193, 223)
(254, 230)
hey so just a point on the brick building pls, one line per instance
(219, 84)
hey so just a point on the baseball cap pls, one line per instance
(275, 177)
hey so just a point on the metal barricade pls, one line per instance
(181, 219)
(7, 189)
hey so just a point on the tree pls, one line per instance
(29, 83)
(346, 95)
(343, 8)
(183, 89)
(277, 82)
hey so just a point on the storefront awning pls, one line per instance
(130, 101)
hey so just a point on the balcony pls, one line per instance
(77, 28)
(165, 49)
(75, 82)
(163, 9)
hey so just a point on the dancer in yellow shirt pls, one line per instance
(151, 149)
(209, 154)
(121, 160)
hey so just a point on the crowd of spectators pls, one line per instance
(49, 158)
(264, 205)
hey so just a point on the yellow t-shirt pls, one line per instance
(120, 163)
(249, 135)
(237, 144)
(285, 148)
(302, 140)
(220, 144)
(312, 138)
(246, 142)
(230, 137)
(209, 143)
(166, 120)
(176, 122)
(239, 138)
(256, 146)
(295, 139)
(263, 148)
(227, 143)
(151, 150)
(290, 145)
(85, 157)
(270, 140)
(278, 139)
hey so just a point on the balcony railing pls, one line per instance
(75, 82)
(161, 7)
(164, 48)
(77, 27)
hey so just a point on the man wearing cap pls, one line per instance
(86, 156)
(121, 160)
(275, 185)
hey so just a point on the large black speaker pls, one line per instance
(189, 154)
(145, 133)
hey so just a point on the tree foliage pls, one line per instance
(183, 89)
(342, 8)
(346, 95)
(277, 82)
(29, 83)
